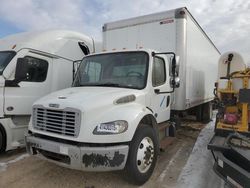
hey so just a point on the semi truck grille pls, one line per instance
(64, 122)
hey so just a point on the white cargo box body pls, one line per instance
(172, 31)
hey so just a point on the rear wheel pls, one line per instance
(2, 141)
(199, 113)
(204, 112)
(142, 155)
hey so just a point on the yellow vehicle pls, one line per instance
(230, 144)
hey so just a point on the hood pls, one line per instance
(88, 98)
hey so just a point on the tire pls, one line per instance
(2, 141)
(207, 112)
(142, 155)
(199, 113)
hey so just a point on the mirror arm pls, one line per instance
(12, 83)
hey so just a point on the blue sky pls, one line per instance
(7, 28)
(225, 21)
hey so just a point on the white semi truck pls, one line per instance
(31, 66)
(117, 115)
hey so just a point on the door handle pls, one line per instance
(168, 101)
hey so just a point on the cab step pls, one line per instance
(166, 134)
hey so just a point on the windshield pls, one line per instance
(124, 69)
(5, 58)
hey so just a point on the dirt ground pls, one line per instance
(19, 170)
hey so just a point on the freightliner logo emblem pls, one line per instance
(54, 105)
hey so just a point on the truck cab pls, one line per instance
(31, 66)
(109, 119)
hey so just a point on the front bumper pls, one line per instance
(80, 158)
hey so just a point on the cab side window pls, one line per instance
(159, 72)
(36, 71)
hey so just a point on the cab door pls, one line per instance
(160, 102)
(18, 98)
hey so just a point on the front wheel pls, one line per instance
(142, 155)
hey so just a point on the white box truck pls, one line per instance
(172, 31)
(117, 114)
(32, 65)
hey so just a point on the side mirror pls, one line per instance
(177, 59)
(173, 66)
(175, 83)
(175, 80)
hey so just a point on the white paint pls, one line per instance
(3, 166)
(64, 150)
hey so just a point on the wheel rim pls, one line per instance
(145, 154)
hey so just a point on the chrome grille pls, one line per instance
(64, 122)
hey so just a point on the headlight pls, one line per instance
(114, 127)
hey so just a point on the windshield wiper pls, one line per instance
(109, 84)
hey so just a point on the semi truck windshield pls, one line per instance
(5, 58)
(121, 69)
